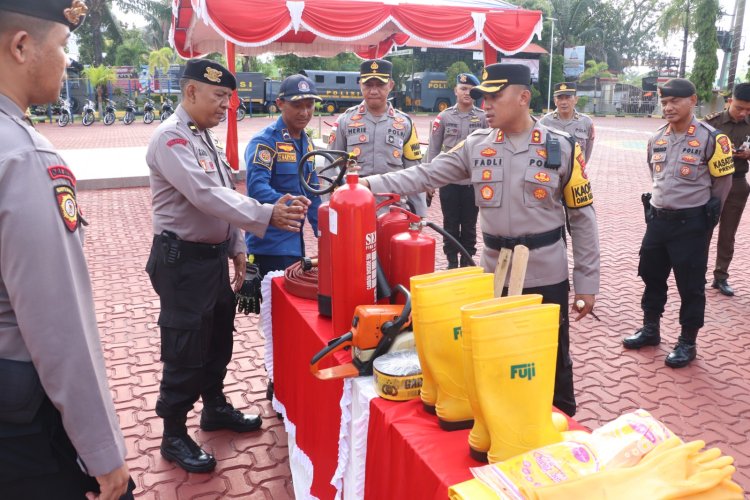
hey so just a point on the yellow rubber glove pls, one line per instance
(671, 470)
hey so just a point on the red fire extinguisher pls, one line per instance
(395, 221)
(353, 243)
(412, 253)
(324, 261)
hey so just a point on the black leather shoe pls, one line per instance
(682, 355)
(452, 263)
(647, 335)
(227, 417)
(724, 287)
(187, 454)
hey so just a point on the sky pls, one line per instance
(673, 45)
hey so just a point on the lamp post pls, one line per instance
(549, 78)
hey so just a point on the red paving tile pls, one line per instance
(709, 400)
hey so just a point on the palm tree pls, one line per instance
(99, 77)
(132, 52)
(160, 59)
(677, 17)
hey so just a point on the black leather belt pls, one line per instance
(682, 213)
(531, 241)
(195, 250)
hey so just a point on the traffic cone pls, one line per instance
(438, 310)
(479, 437)
(428, 393)
(514, 356)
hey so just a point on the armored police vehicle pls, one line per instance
(338, 89)
(428, 91)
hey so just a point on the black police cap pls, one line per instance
(375, 68)
(565, 88)
(210, 72)
(496, 77)
(68, 12)
(297, 87)
(677, 87)
(742, 92)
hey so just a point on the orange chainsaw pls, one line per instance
(374, 329)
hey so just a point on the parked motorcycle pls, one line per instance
(88, 113)
(65, 117)
(109, 112)
(129, 112)
(148, 111)
(166, 109)
(242, 110)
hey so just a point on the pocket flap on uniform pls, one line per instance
(488, 174)
(180, 319)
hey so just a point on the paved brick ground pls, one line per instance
(709, 400)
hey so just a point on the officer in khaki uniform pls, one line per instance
(197, 217)
(524, 176)
(457, 200)
(382, 137)
(735, 123)
(566, 117)
(59, 434)
(691, 169)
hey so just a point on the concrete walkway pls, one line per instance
(709, 400)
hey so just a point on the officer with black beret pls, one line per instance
(566, 117)
(735, 122)
(524, 175)
(457, 200)
(59, 433)
(691, 170)
(382, 138)
(197, 222)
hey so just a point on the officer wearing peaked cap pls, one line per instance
(197, 223)
(450, 127)
(691, 170)
(566, 117)
(524, 175)
(59, 433)
(381, 137)
(735, 122)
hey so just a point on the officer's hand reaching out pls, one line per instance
(113, 484)
(583, 305)
(289, 211)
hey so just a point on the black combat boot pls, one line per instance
(649, 334)
(684, 352)
(466, 262)
(178, 447)
(452, 261)
(225, 416)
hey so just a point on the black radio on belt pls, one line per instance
(171, 247)
(554, 154)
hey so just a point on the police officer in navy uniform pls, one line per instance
(272, 157)
(735, 122)
(525, 176)
(691, 169)
(457, 200)
(566, 117)
(382, 138)
(197, 221)
(59, 434)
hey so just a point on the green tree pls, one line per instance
(539, 101)
(132, 51)
(678, 17)
(160, 59)
(100, 77)
(706, 44)
(454, 70)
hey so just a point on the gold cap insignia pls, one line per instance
(213, 74)
(76, 11)
(484, 74)
(463, 78)
(374, 65)
(563, 87)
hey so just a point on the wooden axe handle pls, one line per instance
(518, 270)
(501, 270)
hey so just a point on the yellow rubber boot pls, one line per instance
(438, 309)
(479, 437)
(514, 356)
(428, 392)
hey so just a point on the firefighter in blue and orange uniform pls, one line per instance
(271, 158)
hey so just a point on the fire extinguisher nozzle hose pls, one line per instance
(465, 253)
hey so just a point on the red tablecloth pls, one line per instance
(311, 404)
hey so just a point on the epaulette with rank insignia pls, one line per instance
(712, 116)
